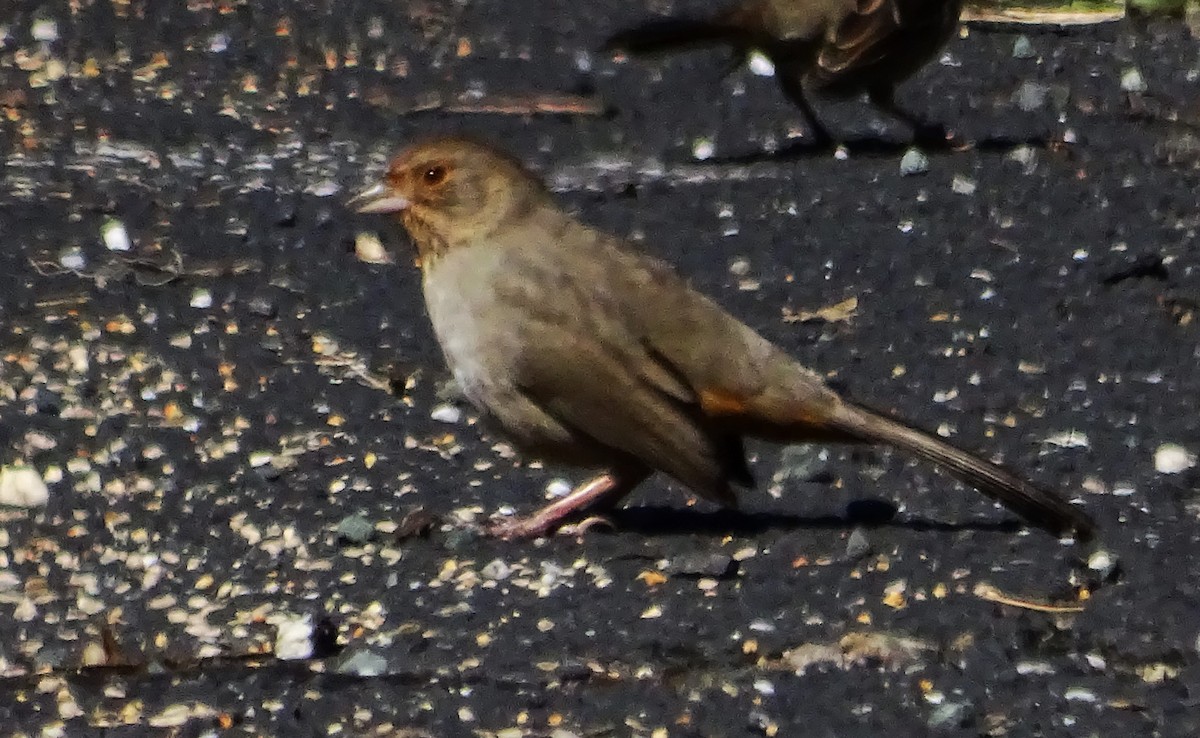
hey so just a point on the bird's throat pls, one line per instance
(430, 245)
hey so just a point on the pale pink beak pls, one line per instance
(378, 199)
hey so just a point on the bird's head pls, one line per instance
(451, 193)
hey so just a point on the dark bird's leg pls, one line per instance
(924, 132)
(792, 84)
(603, 492)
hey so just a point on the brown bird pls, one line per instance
(584, 351)
(838, 48)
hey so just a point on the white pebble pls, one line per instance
(446, 413)
(558, 488)
(22, 486)
(44, 30)
(201, 298)
(583, 61)
(1079, 694)
(25, 611)
(1102, 562)
(72, 258)
(761, 65)
(116, 238)
(1171, 458)
(368, 248)
(293, 638)
(1068, 439)
(913, 162)
(1132, 81)
(703, 148)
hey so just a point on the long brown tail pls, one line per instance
(1039, 507)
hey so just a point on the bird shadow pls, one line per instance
(662, 520)
(880, 148)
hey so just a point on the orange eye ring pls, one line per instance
(434, 175)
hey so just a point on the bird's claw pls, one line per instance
(519, 528)
(583, 526)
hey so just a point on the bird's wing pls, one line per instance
(585, 365)
(739, 378)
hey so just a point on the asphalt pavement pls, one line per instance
(260, 484)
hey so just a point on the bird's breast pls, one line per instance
(466, 320)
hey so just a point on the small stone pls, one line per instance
(761, 65)
(1079, 694)
(116, 238)
(458, 539)
(557, 488)
(739, 267)
(1031, 96)
(22, 486)
(446, 413)
(355, 529)
(496, 570)
(1132, 81)
(1102, 563)
(72, 258)
(857, 545)
(703, 148)
(44, 30)
(1040, 668)
(1023, 48)
(802, 462)
(24, 612)
(962, 185)
(1069, 439)
(201, 298)
(950, 715)
(365, 663)
(293, 637)
(93, 655)
(1026, 156)
(700, 564)
(48, 403)
(262, 306)
(171, 716)
(1171, 458)
(368, 248)
(913, 162)
(762, 723)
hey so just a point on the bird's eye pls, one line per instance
(434, 175)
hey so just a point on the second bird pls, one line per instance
(836, 48)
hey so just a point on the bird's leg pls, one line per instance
(603, 491)
(792, 84)
(924, 132)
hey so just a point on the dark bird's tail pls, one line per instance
(1037, 506)
(671, 34)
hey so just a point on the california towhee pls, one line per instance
(838, 48)
(587, 352)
